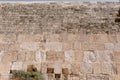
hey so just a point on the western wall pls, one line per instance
(63, 40)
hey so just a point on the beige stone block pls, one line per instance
(97, 77)
(67, 46)
(109, 68)
(33, 46)
(92, 46)
(64, 37)
(51, 65)
(55, 46)
(76, 45)
(55, 38)
(116, 56)
(118, 38)
(82, 38)
(2, 38)
(89, 56)
(17, 66)
(31, 38)
(109, 46)
(75, 68)
(101, 38)
(86, 68)
(9, 56)
(40, 56)
(58, 68)
(69, 56)
(104, 56)
(97, 68)
(117, 47)
(9, 38)
(5, 68)
(44, 67)
(118, 68)
(59, 56)
(4, 77)
(112, 38)
(78, 54)
(21, 56)
(4, 47)
(30, 56)
(50, 56)
(117, 77)
(72, 37)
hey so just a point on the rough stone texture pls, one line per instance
(78, 41)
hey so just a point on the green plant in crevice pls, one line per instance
(22, 75)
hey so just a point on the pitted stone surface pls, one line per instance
(81, 38)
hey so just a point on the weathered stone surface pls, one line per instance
(17, 66)
(89, 56)
(86, 68)
(55, 46)
(97, 77)
(29, 46)
(104, 56)
(72, 41)
(69, 56)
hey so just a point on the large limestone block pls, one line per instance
(97, 77)
(72, 37)
(58, 68)
(116, 56)
(118, 38)
(10, 56)
(112, 38)
(108, 68)
(44, 67)
(53, 38)
(100, 38)
(118, 68)
(89, 56)
(82, 38)
(92, 46)
(5, 68)
(117, 47)
(21, 56)
(75, 68)
(50, 56)
(97, 68)
(69, 56)
(30, 38)
(9, 38)
(76, 45)
(104, 56)
(17, 66)
(30, 56)
(40, 56)
(4, 77)
(33, 46)
(55, 46)
(86, 68)
(109, 46)
(78, 54)
(67, 46)
(57, 56)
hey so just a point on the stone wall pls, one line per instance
(64, 41)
